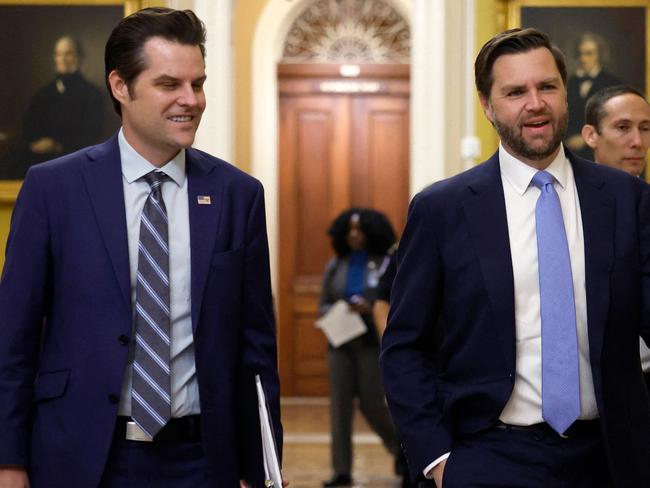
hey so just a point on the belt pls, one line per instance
(181, 429)
(579, 428)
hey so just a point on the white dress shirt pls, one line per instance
(525, 404)
(184, 385)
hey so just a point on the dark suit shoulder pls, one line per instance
(64, 170)
(224, 168)
(606, 177)
(66, 162)
(456, 187)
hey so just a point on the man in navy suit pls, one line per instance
(474, 323)
(617, 128)
(81, 277)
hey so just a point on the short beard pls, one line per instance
(513, 140)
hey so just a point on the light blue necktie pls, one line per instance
(560, 376)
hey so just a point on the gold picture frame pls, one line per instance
(31, 28)
(620, 28)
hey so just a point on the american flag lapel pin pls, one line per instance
(204, 200)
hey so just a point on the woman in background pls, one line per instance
(360, 238)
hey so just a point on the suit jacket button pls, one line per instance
(113, 398)
(124, 340)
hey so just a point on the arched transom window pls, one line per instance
(348, 31)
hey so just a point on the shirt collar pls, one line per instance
(519, 174)
(134, 166)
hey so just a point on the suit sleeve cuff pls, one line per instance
(428, 471)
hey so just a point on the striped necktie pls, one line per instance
(560, 370)
(151, 401)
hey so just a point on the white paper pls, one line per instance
(272, 475)
(340, 324)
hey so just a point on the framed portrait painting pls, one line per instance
(604, 43)
(52, 88)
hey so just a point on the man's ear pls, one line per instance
(485, 104)
(590, 135)
(119, 87)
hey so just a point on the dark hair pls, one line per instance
(125, 47)
(512, 41)
(595, 108)
(380, 235)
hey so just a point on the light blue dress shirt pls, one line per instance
(184, 384)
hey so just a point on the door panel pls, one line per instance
(314, 161)
(380, 155)
(336, 151)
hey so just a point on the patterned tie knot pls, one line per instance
(542, 178)
(155, 179)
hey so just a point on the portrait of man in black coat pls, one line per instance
(67, 113)
(590, 77)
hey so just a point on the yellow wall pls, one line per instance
(5, 215)
(490, 19)
(245, 18)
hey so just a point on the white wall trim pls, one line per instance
(428, 104)
(215, 134)
(470, 144)
(268, 42)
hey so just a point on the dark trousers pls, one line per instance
(354, 372)
(135, 464)
(518, 458)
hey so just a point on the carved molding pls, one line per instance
(348, 31)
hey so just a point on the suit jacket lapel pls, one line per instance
(103, 179)
(597, 211)
(485, 211)
(204, 222)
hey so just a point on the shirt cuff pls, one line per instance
(428, 471)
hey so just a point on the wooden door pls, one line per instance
(379, 155)
(342, 143)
